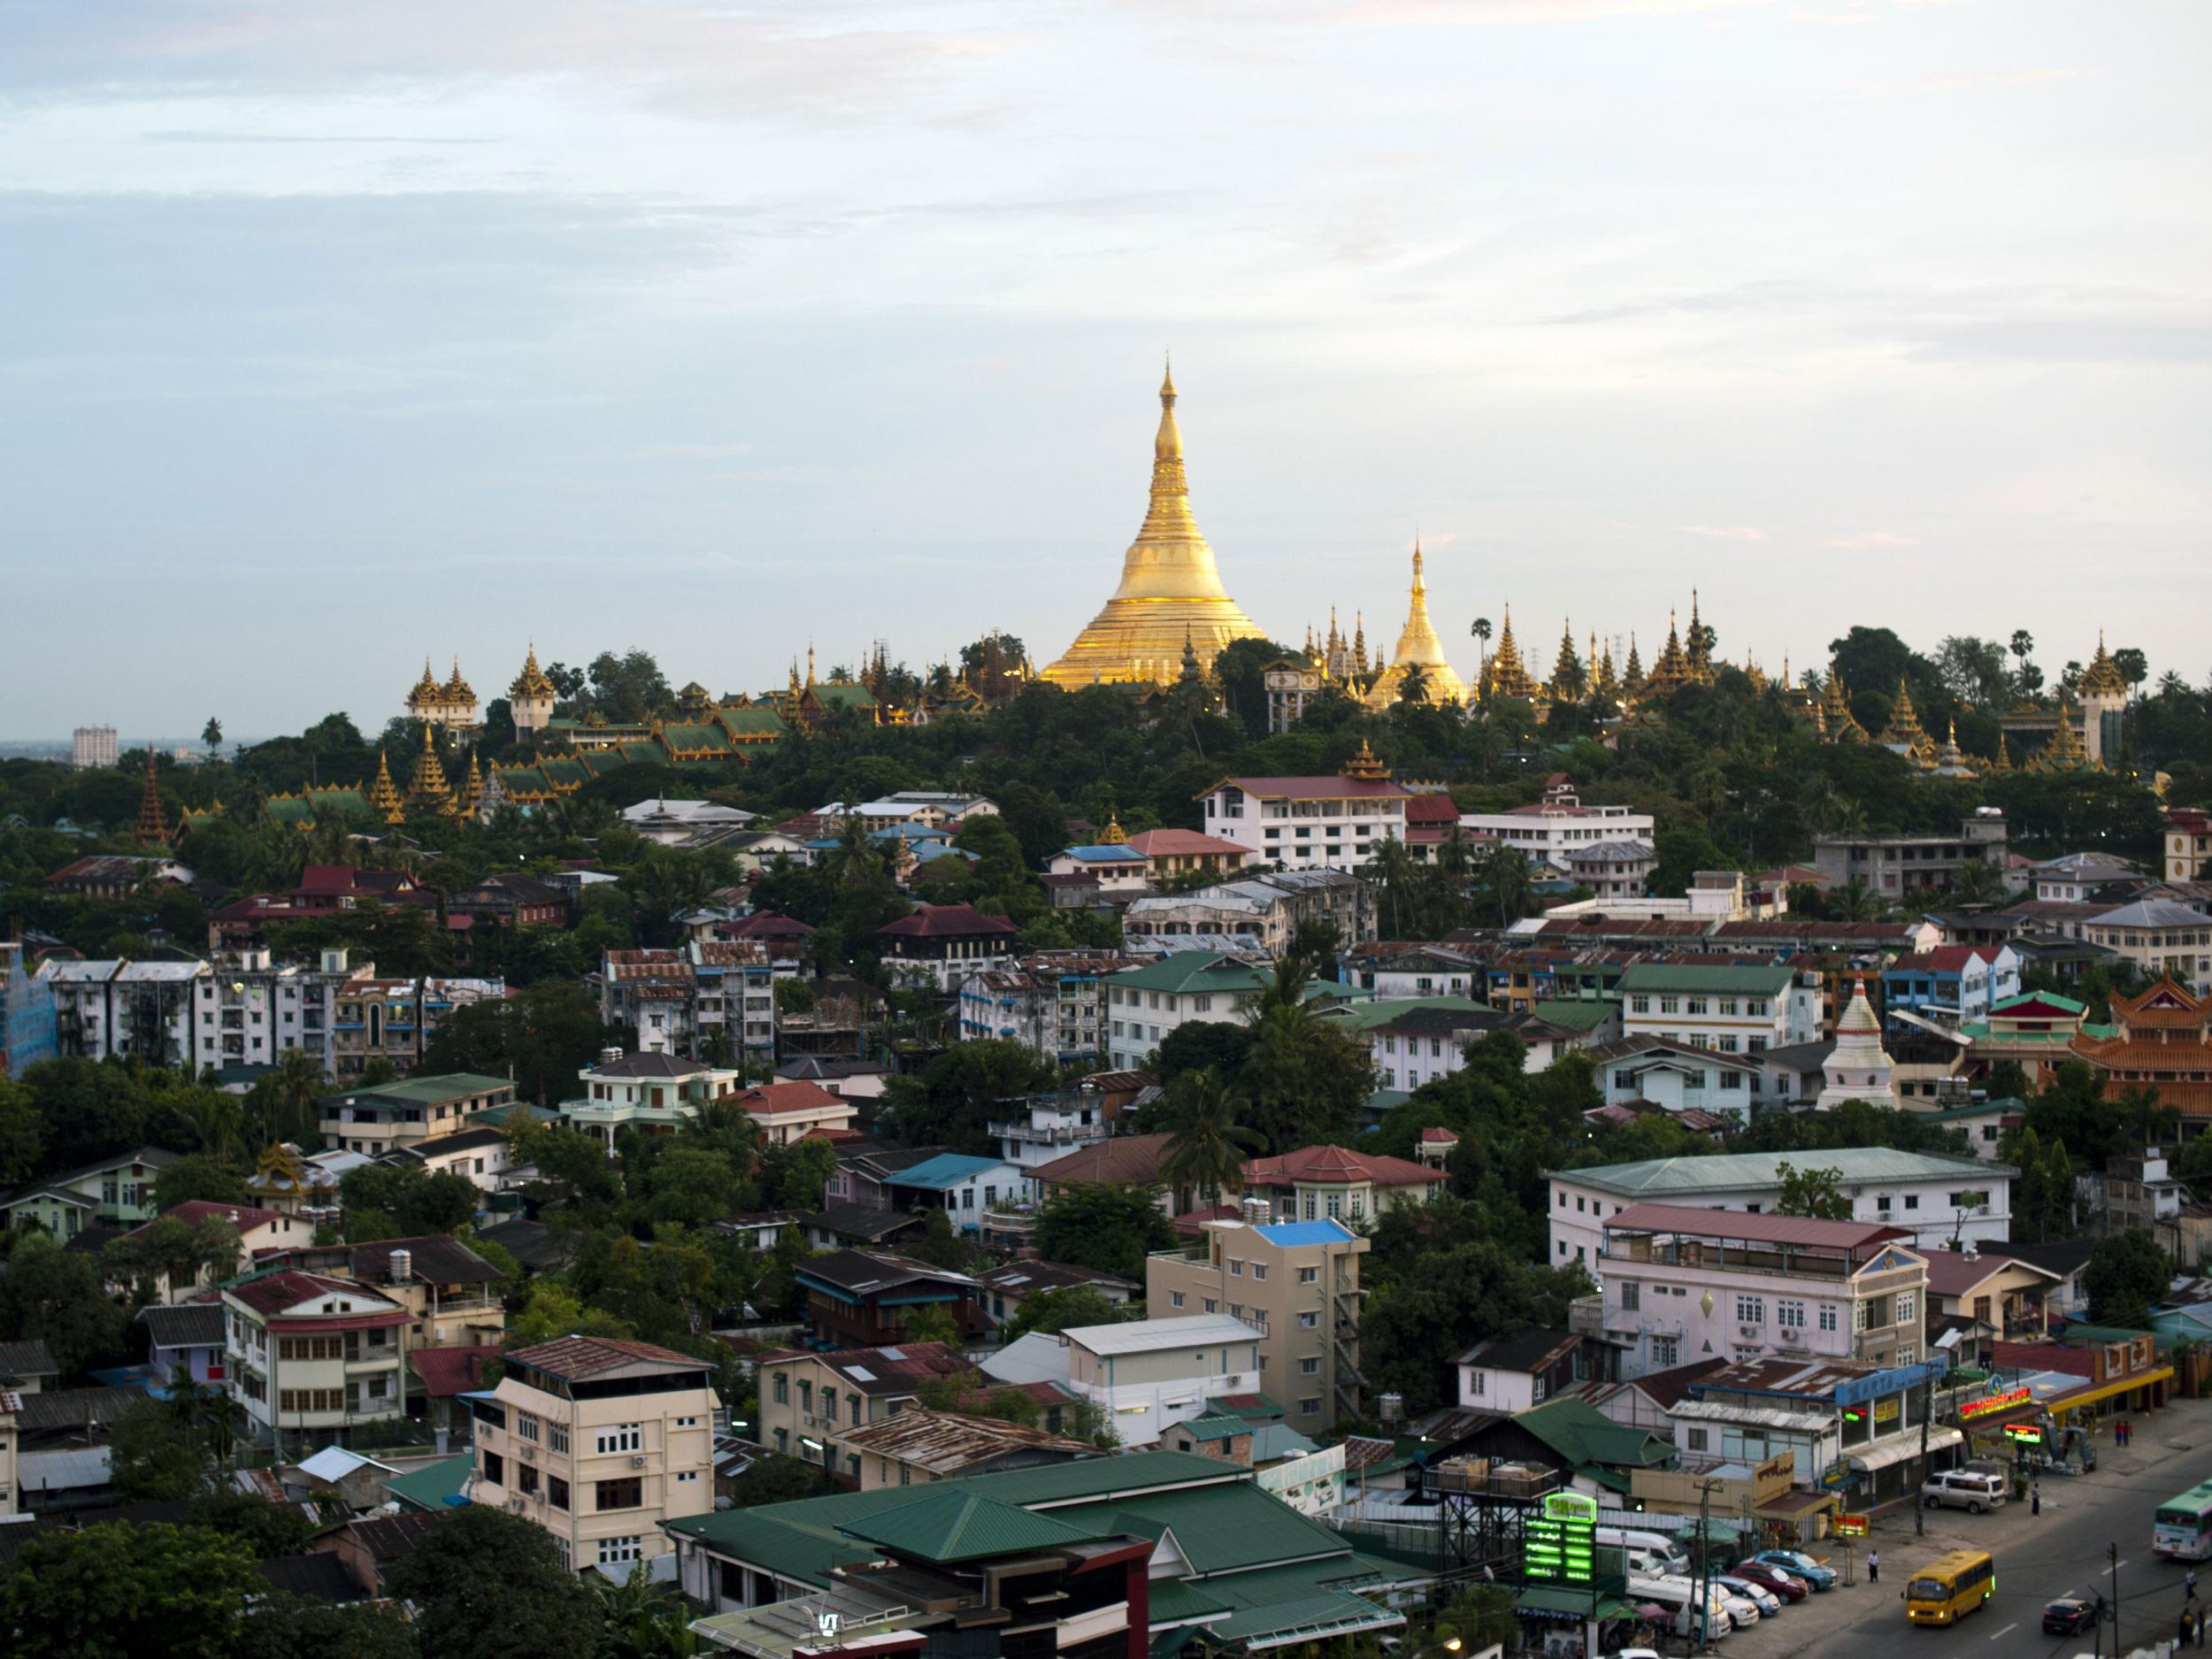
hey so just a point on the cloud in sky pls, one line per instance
(741, 325)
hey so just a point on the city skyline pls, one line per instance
(338, 339)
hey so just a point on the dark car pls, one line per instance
(1782, 1584)
(2068, 1617)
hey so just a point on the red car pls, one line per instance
(1775, 1579)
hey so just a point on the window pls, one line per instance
(495, 1467)
(1697, 1006)
(1212, 1306)
(1665, 1351)
(1640, 1005)
(686, 1477)
(1906, 1301)
(783, 1389)
(1309, 1407)
(1309, 1322)
(1858, 1316)
(687, 1423)
(1883, 1202)
(1311, 1366)
(1236, 1311)
(556, 1436)
(615, 1551)
(1478, 1383)
(1336, 1206)
(1912, 1201)
(1789, 1315)
(1175, 1298)
(1671, 1005)
(1236, 1268)
(1632, 1296)
(630, 1436)
(1308, 1275)
(1751, 1311)
(1259, 1270)
(626, 1494)
(1827, 1316)
(525, 1425)
(1696, 1438)
(526, 1479)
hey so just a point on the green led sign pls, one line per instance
(1560, 1544)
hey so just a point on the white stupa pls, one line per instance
(1859, 1067)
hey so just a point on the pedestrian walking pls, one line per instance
(2188, 1624)
(2199, 1627)
(2189, 1586)
(2035, 1498)
(1874, 1566)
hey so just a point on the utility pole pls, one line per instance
(2114, 1550)
(1927, 1404)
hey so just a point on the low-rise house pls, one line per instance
(653, 1091)
(863, 1176)
(851, 1078)
(1297, 1284)
(1121, 1160)
(1952, 985)
(479, 1154)
(1398, 971)
(1934, 1197)
(1681, 1283)
(1006, 1289)
(313, 1360)
(792, 1110)
(865, 1298)
(1263, 912)
(2009, 1295)
(449, 1291)
(1514, 1372)
(1334, 1184)
(1679, 1077)
(1148, 1374)
(941, 945)
(1043, 1127)
(379, 1118)
(2160, 937)
(966, 1188)
(2123, 1372)
(1729, 1009)
(113, 1192)
(601, 1443)
(258, 1231)
(26, 1366)
(918, 1447)
(811, 1402)
(1117, 870)
(512, 900)
(1850, 1427)
(1145, 1006)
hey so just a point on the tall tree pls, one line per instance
(1207, 1146)
(126, 1592)
(487, 1585)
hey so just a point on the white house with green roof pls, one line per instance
(1144, 1006)
(379, 1118)
(1732, 1009)
(1939, 1198)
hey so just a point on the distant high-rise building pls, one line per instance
(93, 746)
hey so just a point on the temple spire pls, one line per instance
(153, 823)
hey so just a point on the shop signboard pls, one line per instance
(1989, 1405)
(1850, 1526)
(1559, 1543)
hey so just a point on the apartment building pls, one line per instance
(1042, 1127)
(652, 1090)
(1144, 1006)
(1727, 1008)
(450, 1292)
(2163, 939)
(1554, 831)
(1053, 1003)
(811, 1402)
(1336, 823)
(600, 1442)
(385, 1116)
(1933, 1196)
(1680, 1284)
(1296, 1285)
(1826, 1414)
(391, 1019)
(674, 1000)
(1262, 911)
(2188, 843)
(93, 746)
(313, 1360)
(1889, 866)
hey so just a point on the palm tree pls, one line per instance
(642, 1620)
(1505, 872)
(297, 1083)
(1481, 631)
(1854, 901)
(1206, 1145)
(216, 1118)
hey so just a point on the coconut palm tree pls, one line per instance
(297, 1083)
(1481, 631)
(1206, 1145)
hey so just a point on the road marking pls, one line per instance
(2002, 1635)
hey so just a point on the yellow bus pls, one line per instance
(1950, 1586)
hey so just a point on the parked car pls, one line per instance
(1799, 1565)
(1967, 1489)
(1743, 1612)
(1765, 1599)
(2068, 1615)
(1784, 1585)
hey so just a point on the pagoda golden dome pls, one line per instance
(1170, 590)
(1509, 675)
(530, 682)
(427, 691)
(457, 689)
(1418, 646)
(2101, 677)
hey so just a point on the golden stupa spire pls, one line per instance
(2064, 752)
(1509, 676)
(427, 789)
(2101, 677)
(1673, 669)
(530, 682)
(1113, 834)
(1417, 646)
(810, 662)
(1632, 675)
(153, 823)
(1606, 687)
(2003, 762)
(1365, 766)
(1840, 724)
(383, 795)
(1904, 732)
(1169, 586)
(1359, 642)
(471, 794)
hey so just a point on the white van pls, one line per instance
(1678, 1596)
(1658, 1544)
(1969, 1489)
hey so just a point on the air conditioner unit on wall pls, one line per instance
(638, 1462)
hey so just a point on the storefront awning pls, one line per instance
(1899, 1451)
(2126, 1386)
(1570, 1604)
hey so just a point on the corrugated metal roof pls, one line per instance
(1723, 1171)
(1143, 1336)
(1762, 1229)
(955, 1526)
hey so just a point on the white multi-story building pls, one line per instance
(93, 746)
(651, 1091)
(1145, 1005)
(599, 1442)
(1052, 1002)
(1934, 1197)
(1730, 1010)
(237, 1010)
(1336, 823)
(1681, 1284)
(312, 1360)
(1549, 830)
(1048, 1127)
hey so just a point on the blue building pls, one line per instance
(26, 1014)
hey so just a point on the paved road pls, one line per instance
(2060, 1552)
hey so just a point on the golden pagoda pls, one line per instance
(1113, 834)
(457, 691)
(1169, 588)
(1837, 723)
(1673, 670)
(471, 794)
(530, 682)
(2003, 762)
(1365, 767)
(1904, 733)
(153, 823)
(1699, 653)
(1509, 676)
(1633, 676)
(1418, 645)
(2064, 752)
(1950, 760)
(429, 694)
(427, 790)
(2101, 677)
(383, 795)
(1359, 642)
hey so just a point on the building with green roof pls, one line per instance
(1224, 1560)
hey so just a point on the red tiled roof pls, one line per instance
(577, 1356)
(839, 1137)
(1760, 1229)
(2077, 1362)
(1335, 1164)
(448, 1371)
(1191, 1223)
(882, 1371)
(764, 925)
(1945, 958)
(1123, 1158)
(1182, 842)
(242, 1217)
(280, 1291)
(773, 1099)
(946, 921)
(1953, 1272)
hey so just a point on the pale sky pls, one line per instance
(336, 334)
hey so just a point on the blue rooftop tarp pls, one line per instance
(947, 1169)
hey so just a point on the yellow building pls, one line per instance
(1170, 588)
